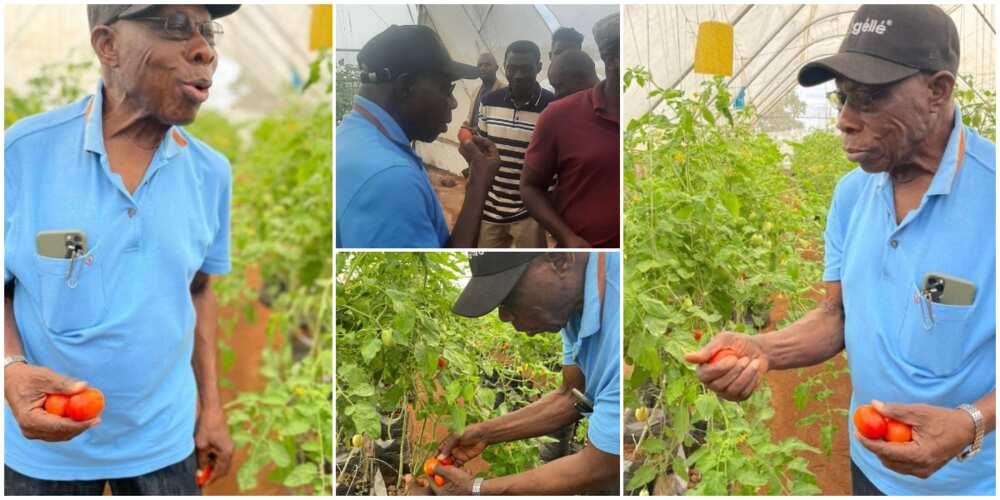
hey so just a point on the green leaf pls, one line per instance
(644, 474)
(279, 455)
(301, 475)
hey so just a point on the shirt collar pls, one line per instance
(536, 96)
(951, 160)
(392, 128)
(93, 131)
(600, 103)
(590, 318)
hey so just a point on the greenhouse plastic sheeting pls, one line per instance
(467, 31)
(771, 43)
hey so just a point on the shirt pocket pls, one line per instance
(933, 336)
(67, 308)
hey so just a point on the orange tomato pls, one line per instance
(56, 404)
(869, 422)
(721, 354)
(898, 432)
(464, 135)
(429, 466)
(85, 405)
(439, 480)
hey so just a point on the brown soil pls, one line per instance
(450, 189)
(833, 473)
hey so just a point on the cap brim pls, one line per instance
(484, 293)
(854, 66)
(459, 71)
(218, 11)
(214, 10)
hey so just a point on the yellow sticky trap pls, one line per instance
(321, 27)
(713, 55)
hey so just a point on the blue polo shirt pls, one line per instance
(592, 341)
(384, 197)
(896, 354)
(127, 327)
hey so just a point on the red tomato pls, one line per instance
(447, 461)
(697, 334)
(869, 422)
(439, 480)
(56, 404)
(85, 405)
(201, 477)
(898, 432)
(464, 135)
(721, 354)
(441, 363)
(429, 466)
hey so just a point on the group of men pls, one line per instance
(541, 162)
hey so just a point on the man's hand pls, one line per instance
(212, 441)
(483, 158)
(939, 434)
(731, 378)
(457, 481)
(416, 486)
(469, 445)
(26, 387)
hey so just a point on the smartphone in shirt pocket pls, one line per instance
(71, 285)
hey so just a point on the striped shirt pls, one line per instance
(510, 128)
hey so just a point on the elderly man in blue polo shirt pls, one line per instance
(114, 218)
(577, 293)
(910, 273)
(384, 197)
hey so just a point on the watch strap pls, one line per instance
(977, 442)
(477, 485)
(17, 358)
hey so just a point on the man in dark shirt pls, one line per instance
(507, 117)
(577, 138)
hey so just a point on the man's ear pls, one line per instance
(562, 262)
(942, 86)
(402, 87)
(104, 41)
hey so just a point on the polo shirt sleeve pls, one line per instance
(542, 149)
(605, 421)
(9, 205)
(391, 210)
(568, 358)
(833, 237)
(217, 261)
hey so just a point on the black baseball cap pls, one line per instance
(410, 48)
(105, 14)
(889, 42)
(494, 275)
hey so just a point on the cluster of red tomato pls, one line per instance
(873, 425)
(429, 468)
(81, 406)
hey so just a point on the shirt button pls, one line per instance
(131, 212)
(894, 243)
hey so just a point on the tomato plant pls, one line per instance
(714, 233)
(408, 369)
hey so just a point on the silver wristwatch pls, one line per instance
(9, 360)
(477, 485)
(977, 443)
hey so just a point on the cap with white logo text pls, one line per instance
(889, 42)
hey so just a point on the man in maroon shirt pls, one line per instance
(576, 137)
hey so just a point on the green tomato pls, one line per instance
(387, 337)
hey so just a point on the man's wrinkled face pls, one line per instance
(881, 127)
(521, 68)
(167, 75)
(541, 301)
(427, 106)
(611, 58)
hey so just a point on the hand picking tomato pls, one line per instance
(429, 466)
(85, 405)
(898, 432)
(721, 354)
(869, 422)
(56, 404)
(439, 480)
(464, 135)
(202, 476)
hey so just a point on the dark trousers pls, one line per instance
(860, 484)
(176, 479)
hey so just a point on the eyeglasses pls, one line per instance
(865, 98)
(178, 26)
